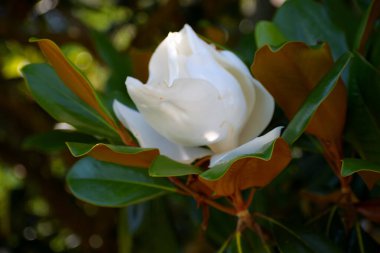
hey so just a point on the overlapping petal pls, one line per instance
(149, 138)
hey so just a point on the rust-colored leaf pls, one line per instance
(370, 178)
(290, 73)
(140, 159)
(370, 209)
(77, 83)
(251, 172)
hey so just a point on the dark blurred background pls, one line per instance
(37, 213)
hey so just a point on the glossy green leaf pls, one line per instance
(366, 26)
(55, 140)
(267, 33)
(345, 16)
(119, 64)
(81, 149)
(163, 166)
(351, 166)
(217, 171)
(292, 241)
(124, 155)
(300, 121)
(108, 184)
(363, 118)
(303, 242)
(308, 21)
(62, 104)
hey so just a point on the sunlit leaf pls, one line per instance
(163, 166)
(254, 170)
(124, 155)
(267, 33)
(61, 103)
(77, 83)
(291, 73)
(109, 184)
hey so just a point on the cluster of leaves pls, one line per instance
(339, 116)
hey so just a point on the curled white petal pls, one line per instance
(260, 104)
(149, 138)
(253, 146)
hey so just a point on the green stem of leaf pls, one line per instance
(330, 219)
(238, 242)
(360, 237)
(291, 232)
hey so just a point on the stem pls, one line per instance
(238, 242)
(200, 198)
(360, 238)
(250, 198)
(329, 221)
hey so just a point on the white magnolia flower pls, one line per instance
(198, 96)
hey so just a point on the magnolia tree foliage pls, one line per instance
(301, 177)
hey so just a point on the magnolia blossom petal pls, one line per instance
(190, 112)
(253, 146)
(149, 138)
(260, 116)
(260, 101)
(239, 70)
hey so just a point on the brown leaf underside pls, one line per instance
(252, 172)
(290, 73)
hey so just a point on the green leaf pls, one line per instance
(291, 241)
(108, 184)
(124, 155)
(81, 149)
(308, 21)
(62, 104)
(163, 166)
(217, 171)
(351, 166)
(268, 33)
(119, 64)
(55, 140)
(300, 121)
(363, 117)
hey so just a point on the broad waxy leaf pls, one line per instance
(267, 33)
(369, 171)
(255, 170)
(351, 166)
(363, 122)
(119, 64)
(124, 155)
(314, 100)
(78, 84)
(303, 242)
(367, 25)
(309, 22)
(108, 184)
(54, 140)
(163, 166)
(61, 103)
(291, 73)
